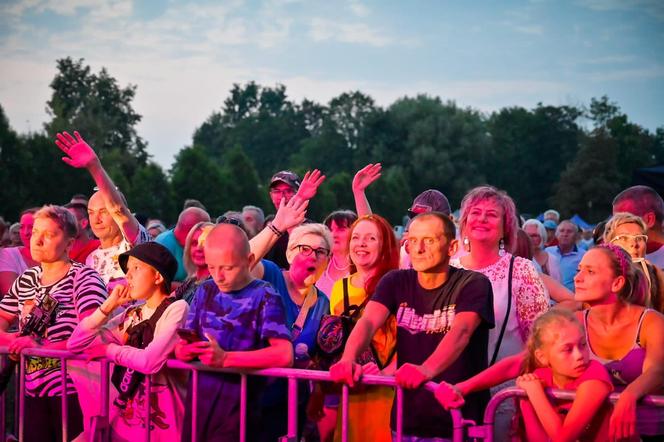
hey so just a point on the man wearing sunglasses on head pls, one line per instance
(111, 220)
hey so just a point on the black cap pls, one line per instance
(287, 177)
(157, 256)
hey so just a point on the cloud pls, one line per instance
(530, 29)
(358, 8)
(332, 30)
(653, 8)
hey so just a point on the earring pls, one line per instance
(501, 247)
(466, 244)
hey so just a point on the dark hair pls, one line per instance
(645, 199)
(31, 211)
(343, 218)
(449, 229)
(524, 245)
(598, 233)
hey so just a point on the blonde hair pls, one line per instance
(297, 233)
(62, 217)
(503, 200)
(619, 219)
(189, 265)
(544, 325)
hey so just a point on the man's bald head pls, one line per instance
(187, 219)
(229, 257)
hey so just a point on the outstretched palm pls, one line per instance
(79, 153)
(365, 176)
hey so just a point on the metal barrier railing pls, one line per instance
(100, 423)
(485, 430)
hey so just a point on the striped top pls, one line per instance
(80, 290)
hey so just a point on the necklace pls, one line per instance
(342, 268)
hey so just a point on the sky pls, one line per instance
(184, 56)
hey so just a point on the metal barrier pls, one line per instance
(485, 431)
(100, 423)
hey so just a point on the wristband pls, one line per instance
(276, 231)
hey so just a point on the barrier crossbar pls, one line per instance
(485, 430)
(100, 423)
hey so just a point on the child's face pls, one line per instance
(566, 352)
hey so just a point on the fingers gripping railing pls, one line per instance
(100, 426)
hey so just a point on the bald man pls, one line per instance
(241, 323)
(175, 238)
(110, 219)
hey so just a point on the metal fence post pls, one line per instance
(194, 407)
(344, 413)
(21, 398)
(65, 412)
(243, 407)
(399, 413)
(292, 408)
(148, 408)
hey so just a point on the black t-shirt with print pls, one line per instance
(423, 318)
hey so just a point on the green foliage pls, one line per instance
(540, 156)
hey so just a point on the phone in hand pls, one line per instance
(189, 335)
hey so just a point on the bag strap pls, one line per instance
(507, 314)
(308, 302)
(152, 321)
(352, 311)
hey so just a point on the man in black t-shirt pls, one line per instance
(443, 319)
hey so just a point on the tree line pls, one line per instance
(573, 158)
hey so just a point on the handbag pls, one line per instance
(334, 331)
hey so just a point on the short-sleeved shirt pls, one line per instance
(168, 240)
(423, 319)
(569, 264)
(79, 291)
(241, 320)
(11, 260)
(105, 261)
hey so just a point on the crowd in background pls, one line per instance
(474, 300)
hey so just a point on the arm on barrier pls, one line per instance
(347, 370)
(447, 351)
(623, 419)
(279, 353)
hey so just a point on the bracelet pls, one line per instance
(105, 313)
(276, 231)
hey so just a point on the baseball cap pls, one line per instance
(550, 224)
(155, 255)
(430, 200)
(288, 177)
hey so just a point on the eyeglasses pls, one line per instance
(227, 220)
(308, 250)
(630, 238)
(282, 192)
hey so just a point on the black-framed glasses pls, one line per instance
(306, 250)
(228, 220)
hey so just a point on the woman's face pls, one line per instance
(533, 233)
(485, 222)
(365, 244)
(48, 243)
(340, 234)
(141, 279)
(630, 237)
(595, 281)
(25, 230)
(310, 260)
(196, 252)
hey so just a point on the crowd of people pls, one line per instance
(475, 303)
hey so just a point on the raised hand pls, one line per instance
(79, 153)
(310, 183)
(290, 214)
(365, 176)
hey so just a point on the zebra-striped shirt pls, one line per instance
(80, 290)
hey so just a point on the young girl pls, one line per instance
(557, 357)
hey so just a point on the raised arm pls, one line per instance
(362, 179)
(79, 154)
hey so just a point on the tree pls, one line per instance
(193, 175)
(590, 182)
(15, 190)
(151, 194)
(100, 110)
(245, 187)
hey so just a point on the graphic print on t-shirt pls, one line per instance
(439, 321)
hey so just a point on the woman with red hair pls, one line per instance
(373, 251)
